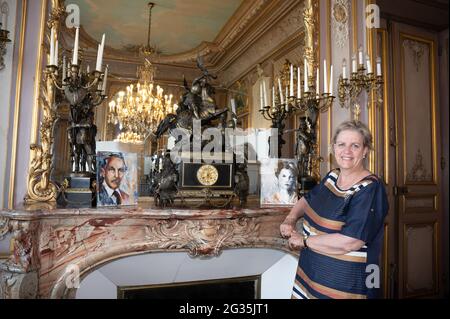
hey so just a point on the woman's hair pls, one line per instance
(286, 165)
(357, 126)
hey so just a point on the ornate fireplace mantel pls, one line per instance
(48, 245)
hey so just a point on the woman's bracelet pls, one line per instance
(305, 244)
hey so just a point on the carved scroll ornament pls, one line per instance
(202, 238)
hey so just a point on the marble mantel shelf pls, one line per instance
(51, 246)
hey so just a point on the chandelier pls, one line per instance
(139, 109)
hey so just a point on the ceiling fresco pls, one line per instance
(177, 25)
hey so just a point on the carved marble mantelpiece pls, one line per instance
(48, 244)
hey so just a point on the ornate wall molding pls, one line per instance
(340, 22)
(419, 172)
(417, 50)
(283, 32)
(50, 242)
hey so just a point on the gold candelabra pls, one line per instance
(307, 99)
(362, 78)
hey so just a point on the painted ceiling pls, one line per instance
(177, 25)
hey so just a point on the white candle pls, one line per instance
(56, 58)
(299, 84)
(75, 47)
(287, 96)
(305, 75)
(261, 98)
(52, 47)
(105, 79)
(369, 64)
(325, 78)
(317, 81)
(379, 66)
(64, 74)
(360, 51)
(3, 21)
(344, 71)
(291, 82)
(98, 65)
(101, 48)
(273, 95)
(88, 69)
(265, 93)
(281, 91)
(354, 66)
(233, 106)
(330, 89)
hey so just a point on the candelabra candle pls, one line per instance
(354, 65)
(369, 64)
(330, 89)
(75, 47)
(52, 47)
(378, 66)
(291, 81)
(281, 91)
(265, 93)
(305, 75)
(350, 89)
(344, 69)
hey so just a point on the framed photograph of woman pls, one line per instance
(278, 182)
(117, 179)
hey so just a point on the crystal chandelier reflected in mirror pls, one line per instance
(139, 109)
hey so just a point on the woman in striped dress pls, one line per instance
(343, 221)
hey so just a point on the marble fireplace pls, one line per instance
(60, 253)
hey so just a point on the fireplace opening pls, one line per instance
(238, 288)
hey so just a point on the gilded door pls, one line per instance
(417, 191)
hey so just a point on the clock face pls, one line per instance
(207, 175)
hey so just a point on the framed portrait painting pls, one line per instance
(117, 179)
(278, 182)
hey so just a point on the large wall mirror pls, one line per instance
(159, 44)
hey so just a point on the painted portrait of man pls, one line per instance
(116, 179)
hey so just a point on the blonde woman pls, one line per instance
(343, 221)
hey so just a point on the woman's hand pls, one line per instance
(287, 227)
(295, 241)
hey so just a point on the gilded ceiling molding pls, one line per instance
(284, 35)
(340, 22)
(417, 50)
(242, 24)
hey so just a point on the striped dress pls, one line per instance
(358, 212)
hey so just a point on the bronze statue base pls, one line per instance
(78, 191)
